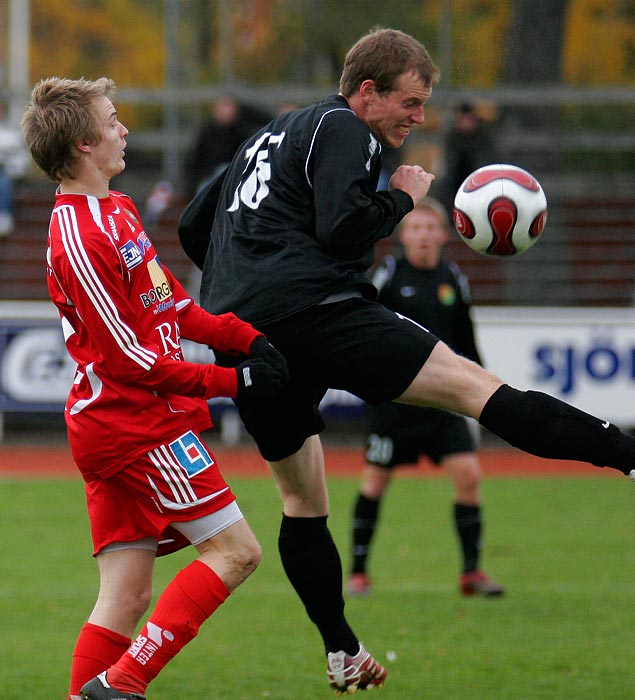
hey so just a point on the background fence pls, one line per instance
(579, 143)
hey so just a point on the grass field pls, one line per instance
(562, 546)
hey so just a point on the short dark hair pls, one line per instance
(383, 55)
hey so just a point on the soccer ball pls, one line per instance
(500, 210)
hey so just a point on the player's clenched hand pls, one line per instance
(258, 379)
(412, 179)
(262, 348)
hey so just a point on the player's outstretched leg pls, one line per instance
(544, 426)
(348, 674)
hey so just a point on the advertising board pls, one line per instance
(584, 356)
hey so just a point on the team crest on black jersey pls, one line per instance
(446, 294)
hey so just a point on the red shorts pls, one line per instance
(176, 482)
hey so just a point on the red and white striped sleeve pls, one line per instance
(88, 267)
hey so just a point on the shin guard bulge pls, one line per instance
(544, 426)
(189, 599)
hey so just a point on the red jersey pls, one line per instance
(123, 315)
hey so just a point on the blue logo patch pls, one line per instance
(131, 254)
(191, 454)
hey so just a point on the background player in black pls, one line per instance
(292, 239)
(435, 293)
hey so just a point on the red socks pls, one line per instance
(96, 649)
(191, 597)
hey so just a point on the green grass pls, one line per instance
(563, 547)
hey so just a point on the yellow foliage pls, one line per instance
(125, 39)
(479, 30)
(121, 39)
(118, 38)
(599, 42)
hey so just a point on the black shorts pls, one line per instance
(356, 345)
(399, 434)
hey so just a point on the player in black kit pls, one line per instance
(290, 245)
(421, 285)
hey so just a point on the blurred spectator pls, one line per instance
(220, 136)
(159, 199)
(468, 145)
(229, 125)
(286, 106)
(14, 164)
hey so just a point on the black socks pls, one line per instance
(547, 427)
(468, 523)
(365, 516)
(312, 564)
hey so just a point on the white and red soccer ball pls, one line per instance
(500, 210)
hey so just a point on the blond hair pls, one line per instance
(60, 115)
(434, 206)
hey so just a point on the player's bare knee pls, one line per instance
(133, 602)
(465, 470)
(141, 603)
(252, 556)
(375, 481)
(240, 558)
(241, 562)
(470, 484)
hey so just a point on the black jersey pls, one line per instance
(298, 215)
(438, 299)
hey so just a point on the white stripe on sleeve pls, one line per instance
(94, 289)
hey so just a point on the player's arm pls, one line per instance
(232, 336)
(91, 275)
(225, 332)
(350, 215)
